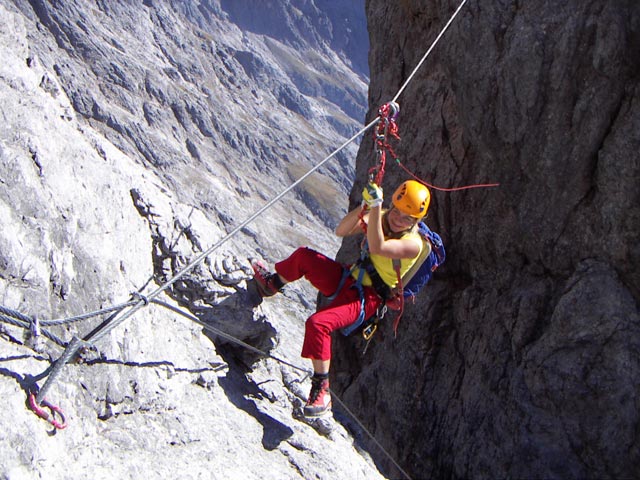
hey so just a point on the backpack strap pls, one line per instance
(343, 279)
(424, 254)
(406, 278)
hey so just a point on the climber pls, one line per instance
(354, 296)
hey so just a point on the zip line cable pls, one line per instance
(424, 57)
(114, 322)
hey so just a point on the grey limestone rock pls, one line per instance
(132, 141)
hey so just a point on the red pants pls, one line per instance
(325, 275)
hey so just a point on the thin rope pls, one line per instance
(62, 321)
(237, 341)
(86, 316)
(11, 320)
(443, 189)
(229, 337)
(361, 425)
(14, 314)
(424, 57)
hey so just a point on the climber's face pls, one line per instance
(399, 221)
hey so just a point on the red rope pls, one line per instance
(376, 174)
(442, 189)
(387, 127)
(363, 224)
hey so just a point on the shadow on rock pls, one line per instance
(237, 389)
(244, 333)
(248, 337)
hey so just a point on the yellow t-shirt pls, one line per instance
(384, 265)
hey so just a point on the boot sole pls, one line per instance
(318, 414)
(258, 277)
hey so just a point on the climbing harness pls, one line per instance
(385, 293)
(409, 284)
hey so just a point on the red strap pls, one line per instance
(396, 322)
(363, 224)
(49, 417)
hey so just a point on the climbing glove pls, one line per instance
(372, 195)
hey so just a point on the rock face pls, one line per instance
(136, 136)
(522, 359)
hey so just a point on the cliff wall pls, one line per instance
(522, 358)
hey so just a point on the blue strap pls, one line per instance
(360, 320)
(345, 274)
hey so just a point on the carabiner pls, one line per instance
(394, 110)
(369, 330)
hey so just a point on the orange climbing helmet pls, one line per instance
(412, 198)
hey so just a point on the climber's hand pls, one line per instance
(372, 195)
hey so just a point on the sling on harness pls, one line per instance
(386, 293)
(431, 257)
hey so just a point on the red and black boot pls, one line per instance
(319, 401)
(268, 283)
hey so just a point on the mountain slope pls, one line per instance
(134, 137)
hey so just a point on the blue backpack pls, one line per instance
(423, 272)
